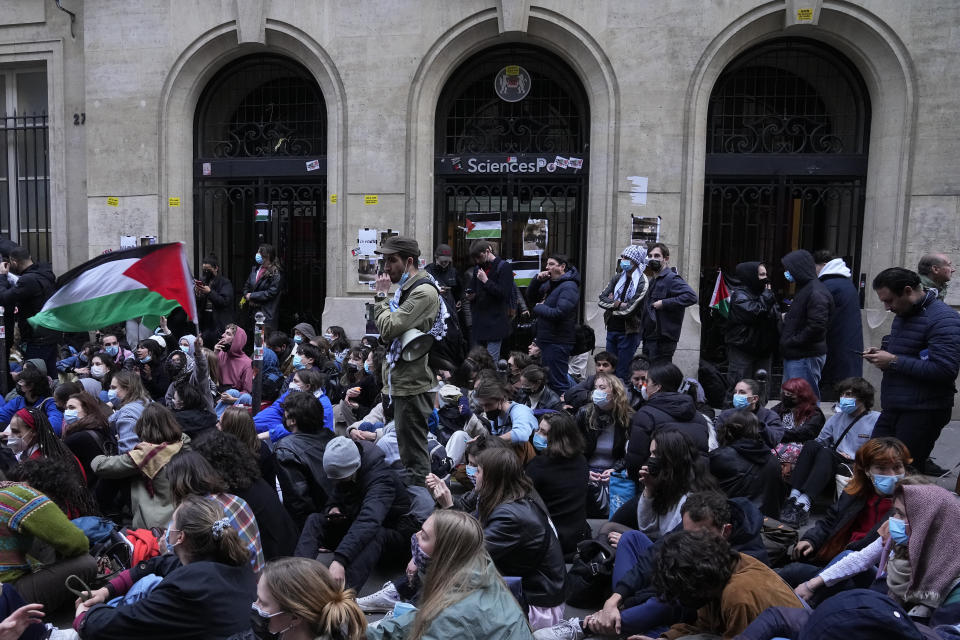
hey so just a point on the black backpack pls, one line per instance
(588, 580)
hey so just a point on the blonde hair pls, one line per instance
(130, 382)
(620, 407)
(237, 422)
(459, 565)
(304, 588)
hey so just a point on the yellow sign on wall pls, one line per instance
(173, 202)
(804, 15)
(371, 199)
(113, 202)
(333, 198)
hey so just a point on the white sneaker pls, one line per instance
(565, 630)
(380, 601)
(61, 634)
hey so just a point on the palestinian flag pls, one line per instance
(120, 286)
(721, 296)
(524, 271)
(483, 226)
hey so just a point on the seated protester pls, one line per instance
(366, 517)
(30, 437)
(273, 379)
(802, 421)
(852, 521)
(634, 607)
(559, 474)
(517, 362)
(191, 475)
(151, 498)
(150, 358)
(233, 462)
(128, 399)
(191, 411)
(339, 344)
(102, 369)
(297, 598)
(60, 480)
(62, 392)
(359, 398)
(579, 395)
(604, 424)
(353, 369)
(303, 332)
(33, 390)
(453, 414)
(237, 422)
(665, 408)
(183, 369)
(234, 398)
(746, 395)
(236, 368)
(28, 516)
(463, 595)
(206, 590)
(511, 421)
(729, 589)
(76, 362)
(308, 381)
(478, 360)
(916, 551)
(330, 369)
(299, 456)
(534, 392)
(284, 348)
(517, 531)
(122, 358)
(87, 433)
(637, 381)
(743, 465)
(833, 451)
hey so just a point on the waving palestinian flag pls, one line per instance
(120, 286)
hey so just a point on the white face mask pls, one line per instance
(293, 386)
(16, 444)
(98, 370)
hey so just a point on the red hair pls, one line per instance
(806, 401)
(875, 450)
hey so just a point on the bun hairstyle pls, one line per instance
(303, 587)
(207, 533)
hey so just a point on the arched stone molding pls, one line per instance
(883, 61)
(553, 32)
(189, 75)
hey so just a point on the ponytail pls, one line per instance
(341, 618)
(207, 532)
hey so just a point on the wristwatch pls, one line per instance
(379, 296)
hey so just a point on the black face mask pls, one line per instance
(260, 625)
(653, 467)
(207, 273)
(788, 401)
(492, 416)
(655, 265)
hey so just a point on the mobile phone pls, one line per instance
(198, 282)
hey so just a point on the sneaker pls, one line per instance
(788, 514)
(380, 601)
(566, 630)
(803, 516)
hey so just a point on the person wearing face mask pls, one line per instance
(303, 332)
(802, 421)
(236, 367)
(209, 565)
(508, 420)
(751, 332)
(445, 274)
(339, 345)
(803, 331)
(272, 418)
(102, 368)
(128, 399)
(833, 451)
(34, 285)
(851, 523)
(535, 393)
(604, 424)
(262, 290)
(33, 391)
(87, 433)
(663, 308)
(183, 369)
(621, 300)
(214, 293)
(746, 396)
(489, 294)
(110, 344)
(150, 358)
(914, 554)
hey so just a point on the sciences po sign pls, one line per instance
(500, 163)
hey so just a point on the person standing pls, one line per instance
(621, 300)
(920, 360)
(445, 274)
(751, 335)
(803, 334)
(663, 308)
(845, 331)
(556, 295)
(935, 271)
(264, 286)
(415, 305)
(33, 283)
(214, 297)
(490, 292)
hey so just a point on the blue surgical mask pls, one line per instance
(298, 362)
(71, 415)
(298, 339)
(898, 530)
(788, 276)
(741, 401)
(366, 367)
(112, 350)
(626, 264)
(886, 484)
(146, 360)
(258, 258)
(185, 348)
(471, 472)
(539, 442)
(599, 398)
(847, 405)
(112, 395)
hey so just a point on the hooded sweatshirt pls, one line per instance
(804, 330)
(845, 332)
(664, 410)
(236, 369)
(746, 468)
(307, 330)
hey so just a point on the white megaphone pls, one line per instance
(414, 344)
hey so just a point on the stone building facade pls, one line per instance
(666, 105)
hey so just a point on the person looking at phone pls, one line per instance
(32, 285)
(214, 294)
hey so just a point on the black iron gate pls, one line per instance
(260, 177)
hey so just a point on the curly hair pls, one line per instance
(230, 458)
(693, 567)
(60, 480)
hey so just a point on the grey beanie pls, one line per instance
(341, 458)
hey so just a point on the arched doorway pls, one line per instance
(260, 176)
(786, 164)
(512, 146)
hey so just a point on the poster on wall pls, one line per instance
(535, 237)
(386, 233)
(645, 230)
(366, 241)
(367, 270)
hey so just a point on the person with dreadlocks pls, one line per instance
(185, 369)
(59, 479)
(30, 436)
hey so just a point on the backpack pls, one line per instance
(779, 541)
(451, 350)
(588, 580)
(584, 341)
(440, 463)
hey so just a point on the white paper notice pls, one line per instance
(638, 192)
(367, 241)
(128, 242)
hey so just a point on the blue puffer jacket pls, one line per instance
(557, 316)
(676, 295)
(927, 346)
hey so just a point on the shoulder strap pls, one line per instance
(422, 281)
(847, 430)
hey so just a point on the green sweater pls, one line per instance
(26, 513)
